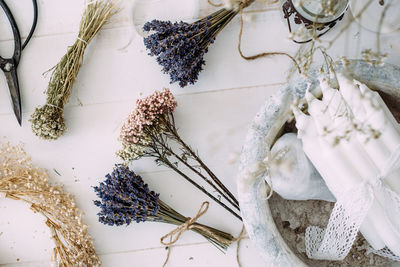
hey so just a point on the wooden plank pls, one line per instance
(86, 153)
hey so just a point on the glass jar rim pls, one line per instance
(317, 18)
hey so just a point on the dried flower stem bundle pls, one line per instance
(48, 120)
(125, 198)
(20, 180)
(150, 131)
(180, 46)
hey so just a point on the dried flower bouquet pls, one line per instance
(180, 47)
(48, 120)
(22, 181)
(150, 131)
(125, 198)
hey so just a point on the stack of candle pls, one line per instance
(351, 136)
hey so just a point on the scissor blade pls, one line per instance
(13, 86)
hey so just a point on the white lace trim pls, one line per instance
(335, 242)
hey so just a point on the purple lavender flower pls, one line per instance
(126, 198)
(177, 48)
(180, 46)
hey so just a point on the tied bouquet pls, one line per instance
(150, 131)
(48, 120)
(125, 198)
(180, 47)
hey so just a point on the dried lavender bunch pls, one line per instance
(125, 198)
(180, 46)
(150, 131)
(48, 120)
(20, 180)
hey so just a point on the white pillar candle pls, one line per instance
(349, 160)
(365, 106)
(336, 172)
(365, 91)
(376, 115)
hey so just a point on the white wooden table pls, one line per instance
(212, 116)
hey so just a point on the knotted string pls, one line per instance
(190, 223)
(246, 3)
(350, 210)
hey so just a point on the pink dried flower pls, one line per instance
(150, 131)
(148, 112)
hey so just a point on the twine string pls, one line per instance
(175, 234)
(241, 236)
(264, 54)
(54, 106)
(190, 223)
(246, 3)
(215, 5)
(168, 254)
(243, 3)
(83, 41)
(238, 239)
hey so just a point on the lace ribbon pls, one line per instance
(335, 242)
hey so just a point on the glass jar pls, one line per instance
(320, 11)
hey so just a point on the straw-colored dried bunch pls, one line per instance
(48, 120)
(20, 180)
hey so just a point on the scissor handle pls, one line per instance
(15, 30)
(35, 18)
(17, 36)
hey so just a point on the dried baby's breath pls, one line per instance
(21, 180)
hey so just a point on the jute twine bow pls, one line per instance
(190, 223)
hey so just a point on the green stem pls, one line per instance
(198, 173)
(172, 166)
(174, 131)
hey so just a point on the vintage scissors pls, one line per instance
(9, 65)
